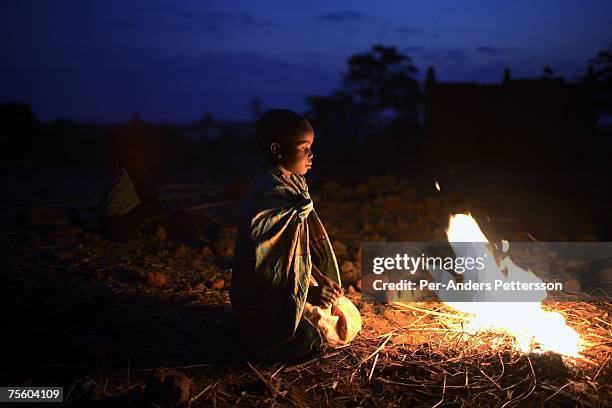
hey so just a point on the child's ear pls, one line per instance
(275, 149)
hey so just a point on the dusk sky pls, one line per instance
(174, 60)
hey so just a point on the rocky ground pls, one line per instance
(122, 323)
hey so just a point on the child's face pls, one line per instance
(297, 157)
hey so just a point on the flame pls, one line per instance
(437, 185)
(527, 322)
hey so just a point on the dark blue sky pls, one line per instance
(174, 60)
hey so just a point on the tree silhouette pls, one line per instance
(63, 138)
(383, 79)
(207, 120)
(256, 109)
(547, 72)
(20, 133)
(377, 84)
(135, 117)
(602, 71)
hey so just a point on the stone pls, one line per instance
(181, 252)
(225, 249)
(349, 272)
(572, 285)
(155, 279)
(160, 233)
(218, 284)
(207, 252)
(167, 388)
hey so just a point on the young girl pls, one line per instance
(286, 292)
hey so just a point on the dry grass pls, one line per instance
(444, 366)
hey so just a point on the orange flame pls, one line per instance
(527, 322)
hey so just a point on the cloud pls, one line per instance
(415, 49)
(248, 19)
(488, 50)
(341, 16)
(188, 20)
(213, 21)
(133, 24)
(409, 30)
(444, 56)
(109, 84)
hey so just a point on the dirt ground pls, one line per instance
(98, 317)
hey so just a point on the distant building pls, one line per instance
(520, 124)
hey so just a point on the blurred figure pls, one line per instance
(130, 202)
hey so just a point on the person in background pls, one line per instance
(130, 203)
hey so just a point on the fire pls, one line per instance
(437, 185)
(531, 326)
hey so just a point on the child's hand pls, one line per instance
(323, 295)
(323, 280)
(328, 290)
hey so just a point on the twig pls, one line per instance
(443, 392)
(271, 387)
(556, 392)
(71, 389)
(193, 399)
(373, 365)
(377, 350)
(601, 368)
(431, 312)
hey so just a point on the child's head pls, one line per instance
(286, 138)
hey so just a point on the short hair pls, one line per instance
(280, 126)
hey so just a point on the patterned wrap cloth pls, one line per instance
(279, 237)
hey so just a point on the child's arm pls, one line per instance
(322, 279)
(326, 293)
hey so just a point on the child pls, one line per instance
(286, 293)
(130, 201)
